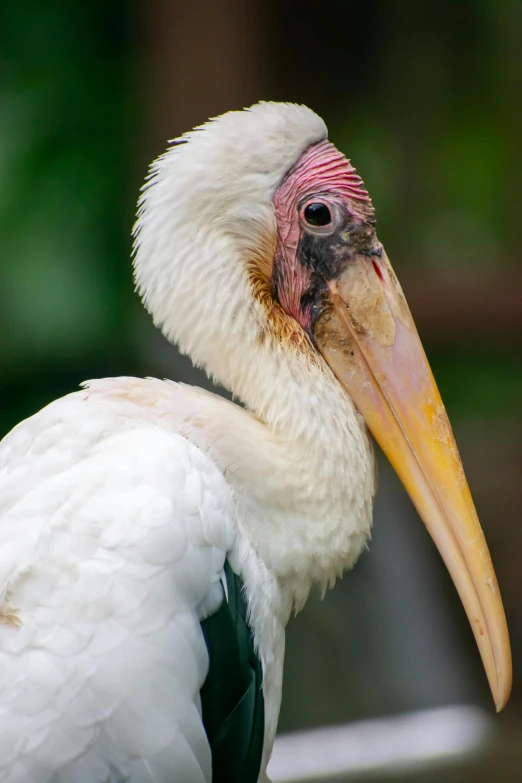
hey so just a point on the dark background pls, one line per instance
(426, 99)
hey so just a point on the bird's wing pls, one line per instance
(113, 536)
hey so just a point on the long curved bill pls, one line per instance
(368, 337)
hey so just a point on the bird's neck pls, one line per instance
(301, 466)
(299, 458)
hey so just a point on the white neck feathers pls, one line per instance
(302, 467)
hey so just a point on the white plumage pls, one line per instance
(114, 531)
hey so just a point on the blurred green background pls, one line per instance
(426, 99)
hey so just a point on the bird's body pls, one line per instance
(130, 521)
(120, 503)
(115, 547)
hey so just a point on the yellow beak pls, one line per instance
(368, 337)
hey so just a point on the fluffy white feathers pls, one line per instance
(114, 529)
(205, 212)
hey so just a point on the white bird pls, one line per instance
(122, 504)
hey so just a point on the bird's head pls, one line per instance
(255, 236)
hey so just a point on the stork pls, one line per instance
(151, 532)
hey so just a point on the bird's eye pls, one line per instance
(317, 214)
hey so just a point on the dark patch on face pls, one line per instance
(312, 303)
(322, 256)
(374, 251)
(277, 276)
(326, 256)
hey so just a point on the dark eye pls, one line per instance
(317, 214)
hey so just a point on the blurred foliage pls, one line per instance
(64, 209)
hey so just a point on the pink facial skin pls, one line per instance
(324, 174)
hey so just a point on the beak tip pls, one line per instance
(502, 698)
(502, 688)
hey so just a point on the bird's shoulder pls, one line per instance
(114, 530)
(108, 464)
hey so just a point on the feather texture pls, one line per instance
(113, 536)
